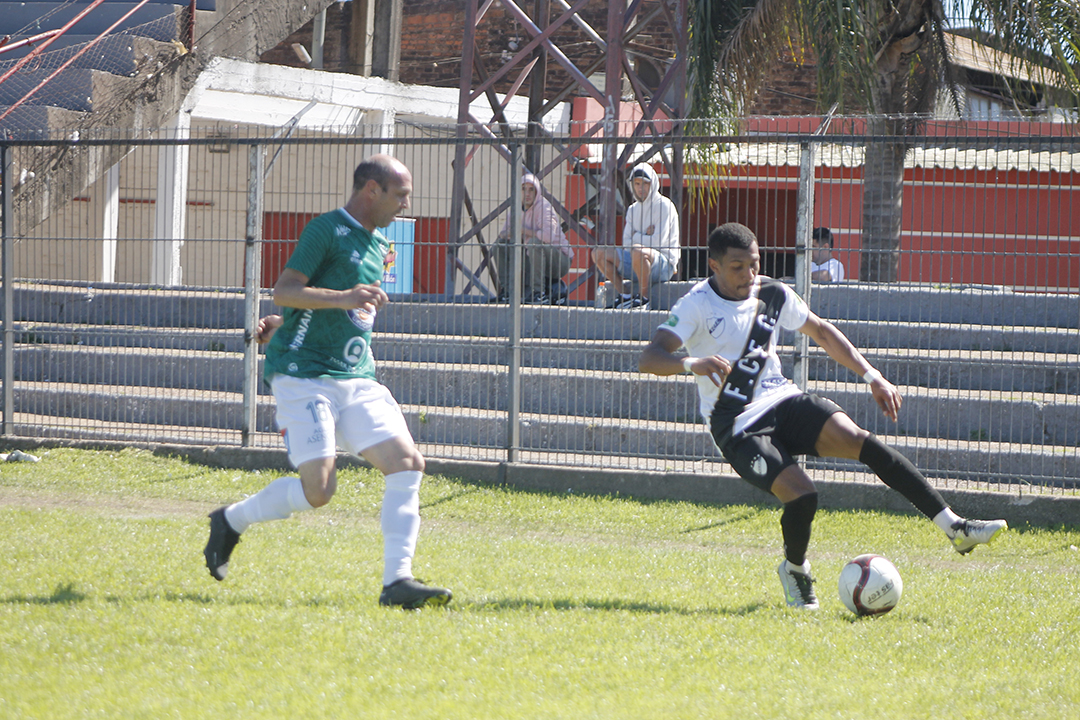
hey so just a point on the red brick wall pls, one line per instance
(433, 32)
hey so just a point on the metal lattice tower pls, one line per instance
(616, 53)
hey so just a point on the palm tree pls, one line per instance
(889, 58)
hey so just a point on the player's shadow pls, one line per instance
(62, 595)
(587, 604)
(746, 515)
(449, 498)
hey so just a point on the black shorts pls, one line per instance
(768, 446)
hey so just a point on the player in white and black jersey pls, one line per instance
(760, 420)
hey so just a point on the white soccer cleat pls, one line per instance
(798, 587)
(966, 534)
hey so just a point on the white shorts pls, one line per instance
(318, 415)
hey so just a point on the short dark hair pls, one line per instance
(822, 234)
(640, 173)
(728, 236)
(376, 168)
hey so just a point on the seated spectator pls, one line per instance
(546, 251)
(823, 266)
(650, 243)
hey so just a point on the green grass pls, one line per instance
(565, 607)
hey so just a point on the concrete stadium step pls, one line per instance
(1003, 416)
(129, 336)
(910, 302)
(970, 327)
(72, 403)
(956, 336)
(1038, 418)
(1040, 371)
(633, 444)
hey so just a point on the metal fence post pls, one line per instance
(7, 275)
(252, 287)
(804, 219)
(513, 416)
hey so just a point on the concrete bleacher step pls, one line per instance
(482, 434)
(99, 354)
(917, 302)
(998, 415)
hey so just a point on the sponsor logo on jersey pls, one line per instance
(672, 320)
(342, 230)
(301, 330)
(356, 259)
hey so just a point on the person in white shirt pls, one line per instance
(823, 266)
(650, 243)
(760, 420)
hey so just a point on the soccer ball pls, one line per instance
(870, 585)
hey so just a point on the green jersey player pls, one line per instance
(320, 368)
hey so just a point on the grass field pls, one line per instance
(565, 607)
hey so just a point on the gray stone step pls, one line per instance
(483, 434)
(1000, 416)
(1029, 317)
(918, 303)
(166, 358)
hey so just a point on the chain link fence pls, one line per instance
(128, 303)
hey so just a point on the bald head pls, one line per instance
(383, 169)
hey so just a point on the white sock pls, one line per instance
(276, 501)
(400, 523)
(946, 519)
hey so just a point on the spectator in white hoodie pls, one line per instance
(650, 244)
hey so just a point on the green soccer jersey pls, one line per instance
(334, 252)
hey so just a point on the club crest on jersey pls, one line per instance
(672, 320)
(759, 466)
(356, 259)
(354, 350)
(716, 326)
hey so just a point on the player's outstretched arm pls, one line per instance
(840, 349)
(658, 358)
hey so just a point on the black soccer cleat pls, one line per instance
(412, 594)
(220, 545)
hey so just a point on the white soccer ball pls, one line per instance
(870, 585)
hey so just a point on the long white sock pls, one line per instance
(946, 519)
(400, 523)
(276, 501)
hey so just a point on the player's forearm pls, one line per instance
(840, 349)
(658, 361)
(311, 298)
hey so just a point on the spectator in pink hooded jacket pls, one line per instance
(547, 252)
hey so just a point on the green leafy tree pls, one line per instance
(889, 58)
